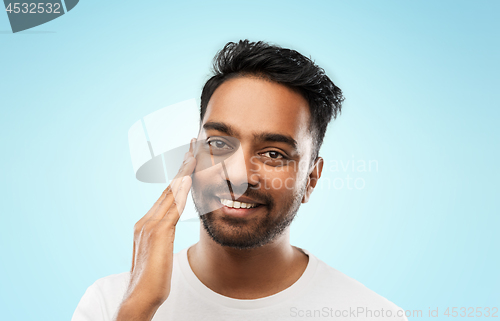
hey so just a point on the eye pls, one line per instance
(273, 154)
(219, 144)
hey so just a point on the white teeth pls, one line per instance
(236, 204)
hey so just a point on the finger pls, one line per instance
(180, 196)
(166, 198)
(191, 143)
(165, 201)
(138, 226)
(163, 206)
(133, 258)
(189, 153)
(175, 211)
(186, 170)
(194, 147)
(173, 197)
(187, 157)
(159, 200)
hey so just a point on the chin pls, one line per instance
(238, 233)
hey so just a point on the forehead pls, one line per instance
(255, 105)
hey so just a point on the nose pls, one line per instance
(239, 171)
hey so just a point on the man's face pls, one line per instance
(260, 129)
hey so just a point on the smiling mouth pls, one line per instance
(237, 204)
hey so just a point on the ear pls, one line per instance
(312, 179)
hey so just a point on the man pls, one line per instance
(263, 118)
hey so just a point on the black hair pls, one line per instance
(284, 66)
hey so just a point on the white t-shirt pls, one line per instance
(321, 293)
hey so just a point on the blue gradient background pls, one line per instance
(421, 85)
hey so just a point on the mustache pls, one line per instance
(246, 190)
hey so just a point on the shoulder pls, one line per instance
(113, 281)
(102, 298)
(110, 289)
(344, 292)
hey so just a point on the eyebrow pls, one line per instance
(220, 127)
(279, 138)
(262, 137)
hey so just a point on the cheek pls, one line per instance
(204, 175)
(279, 181)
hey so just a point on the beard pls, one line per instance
(247, 232)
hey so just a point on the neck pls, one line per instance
(250, 273)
